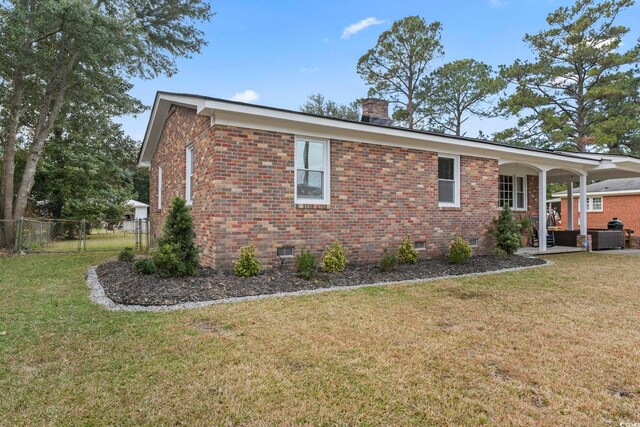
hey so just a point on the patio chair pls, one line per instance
(534, 241)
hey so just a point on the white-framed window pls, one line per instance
(448, 180)
(188, 192)
(594, 204)
(312, 170)
(512, 191)
(159, 187)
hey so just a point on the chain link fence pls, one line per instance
(56, 235)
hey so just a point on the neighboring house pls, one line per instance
(612, 198)
(284, 180)
(139, 210)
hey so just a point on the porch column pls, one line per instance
(570, 205)
(542, 210)
(583, 205)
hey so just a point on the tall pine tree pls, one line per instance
(571, 92)
(457, 91)
(398, 62)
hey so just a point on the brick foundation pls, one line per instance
(244, 194)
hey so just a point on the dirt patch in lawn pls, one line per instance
(123, 286)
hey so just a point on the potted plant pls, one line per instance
(526, 231)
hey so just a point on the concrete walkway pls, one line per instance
(529, 251)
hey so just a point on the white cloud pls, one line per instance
(604, 44)
(359, 26)
(497, 3)
(246, 96)
(565, 80)
(309, 70)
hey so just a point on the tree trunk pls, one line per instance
(581, 140)
(35, 151)
(49, 110)
(459, 112)
(9, 166)
(410, 113)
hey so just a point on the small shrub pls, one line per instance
(177, 253)
(334, 259)
(525, 226)
(306, 265)
(459, 251)
(389, 261)
(168, 263)
(506, 231)
(247, 264)
(144, 266)
(499, 253)
(126, 255)
(407, 253)
(526, 231)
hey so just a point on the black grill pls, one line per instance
(615, 224)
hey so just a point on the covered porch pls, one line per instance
(523, 185)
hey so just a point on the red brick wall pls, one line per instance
(244, 194)
(625, 208)
(182, 129)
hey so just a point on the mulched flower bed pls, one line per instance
(123, 286)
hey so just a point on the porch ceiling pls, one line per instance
(601, 175)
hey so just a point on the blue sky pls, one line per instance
(277, 52)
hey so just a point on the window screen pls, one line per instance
(446, 180)
(311, 169)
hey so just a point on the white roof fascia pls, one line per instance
(158, 115)
(136, 204)
(250, 116)
(563, 194)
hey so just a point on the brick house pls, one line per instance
(612, 198)
(285, 180)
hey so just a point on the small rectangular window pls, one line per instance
(594, 204)
(520, 193)
(448, 181)
(312, 171)
(473, 242)
(189, 176)
(421, 245)
(160, 187)
(285, 251)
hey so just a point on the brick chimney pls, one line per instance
(376, 111)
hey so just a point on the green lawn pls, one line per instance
(557, 345)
